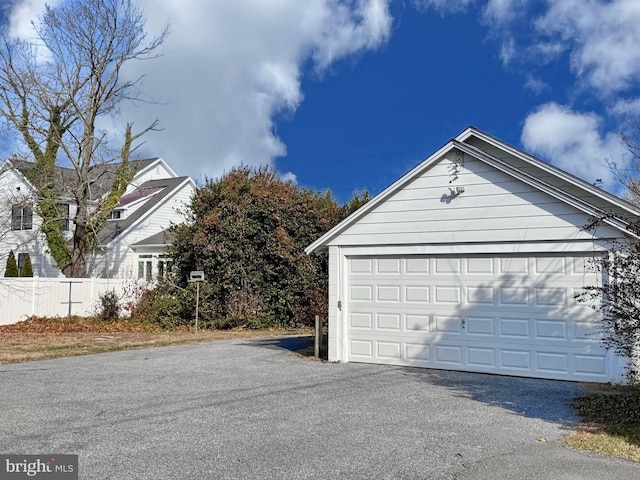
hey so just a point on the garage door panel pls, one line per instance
(388, 321)
(480, 266)
(587, 332)
(417, 352)
(480, 326)
(550, 329)
(482, 295)
(417, 294)
(448, 324)
(387, 349)
(360, 266)
(361, 320)
(417, 322)
(516, 359)
(417, 266)
(552, 362)
(590, 364)
(447, 265)
(547, 265)
(553, 297)
(387, 293)
(388, 265)
(510, 296)
(360, 293)
(448, 354)
(503, 314)
(514, 328)
(361, 348)
(450, 295)
(512, 265)
(481, 357)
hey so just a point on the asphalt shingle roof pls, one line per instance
(165, 237)
(101, 176)
(165, 187)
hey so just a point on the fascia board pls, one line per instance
(321, 242)
(550, 169)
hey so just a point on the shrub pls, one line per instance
(27, 268)
(109, 306)
(248, 232)
(618, 298)
(12, 266)
(165, 305)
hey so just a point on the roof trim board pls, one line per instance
(544, 187)
(547, 167)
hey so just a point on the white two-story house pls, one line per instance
(133, 241)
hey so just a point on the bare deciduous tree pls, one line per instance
(628, 174)
(53, 91)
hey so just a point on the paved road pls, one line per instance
(250, 409)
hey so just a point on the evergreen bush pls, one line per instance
(12, 266)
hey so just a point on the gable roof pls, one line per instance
(518, 164)
(163, 188)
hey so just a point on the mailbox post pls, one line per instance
(197, 277)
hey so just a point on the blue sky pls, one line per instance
(349, 94)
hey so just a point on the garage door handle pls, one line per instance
(464, 322)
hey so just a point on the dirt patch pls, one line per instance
(53, 339)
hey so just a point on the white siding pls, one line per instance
(122, 260)
(157, 172)
(494, 207)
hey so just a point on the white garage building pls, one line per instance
(471, 261)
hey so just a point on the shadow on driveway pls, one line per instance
(292, 344)
(548, 400)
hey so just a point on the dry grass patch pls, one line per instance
(612, 422)
(37, 339)
(601, 439)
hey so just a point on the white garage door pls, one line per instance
(513, 315)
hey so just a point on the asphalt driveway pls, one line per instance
(251, 409)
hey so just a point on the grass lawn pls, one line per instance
(36, 339)
(611, 421)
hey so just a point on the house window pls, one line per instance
(21, 218)
(145, 267)
(22, 258)
(63, 213)
(165, 265)
(116, 214)
(161, 272)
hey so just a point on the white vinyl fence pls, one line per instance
(49, 297)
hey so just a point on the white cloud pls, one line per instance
(229, 66)
(508, 50)
(444, 6)
(625, 108)
(503, 11)
(572, 141)
(535, 84)
(603, 38)
(23, 14)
